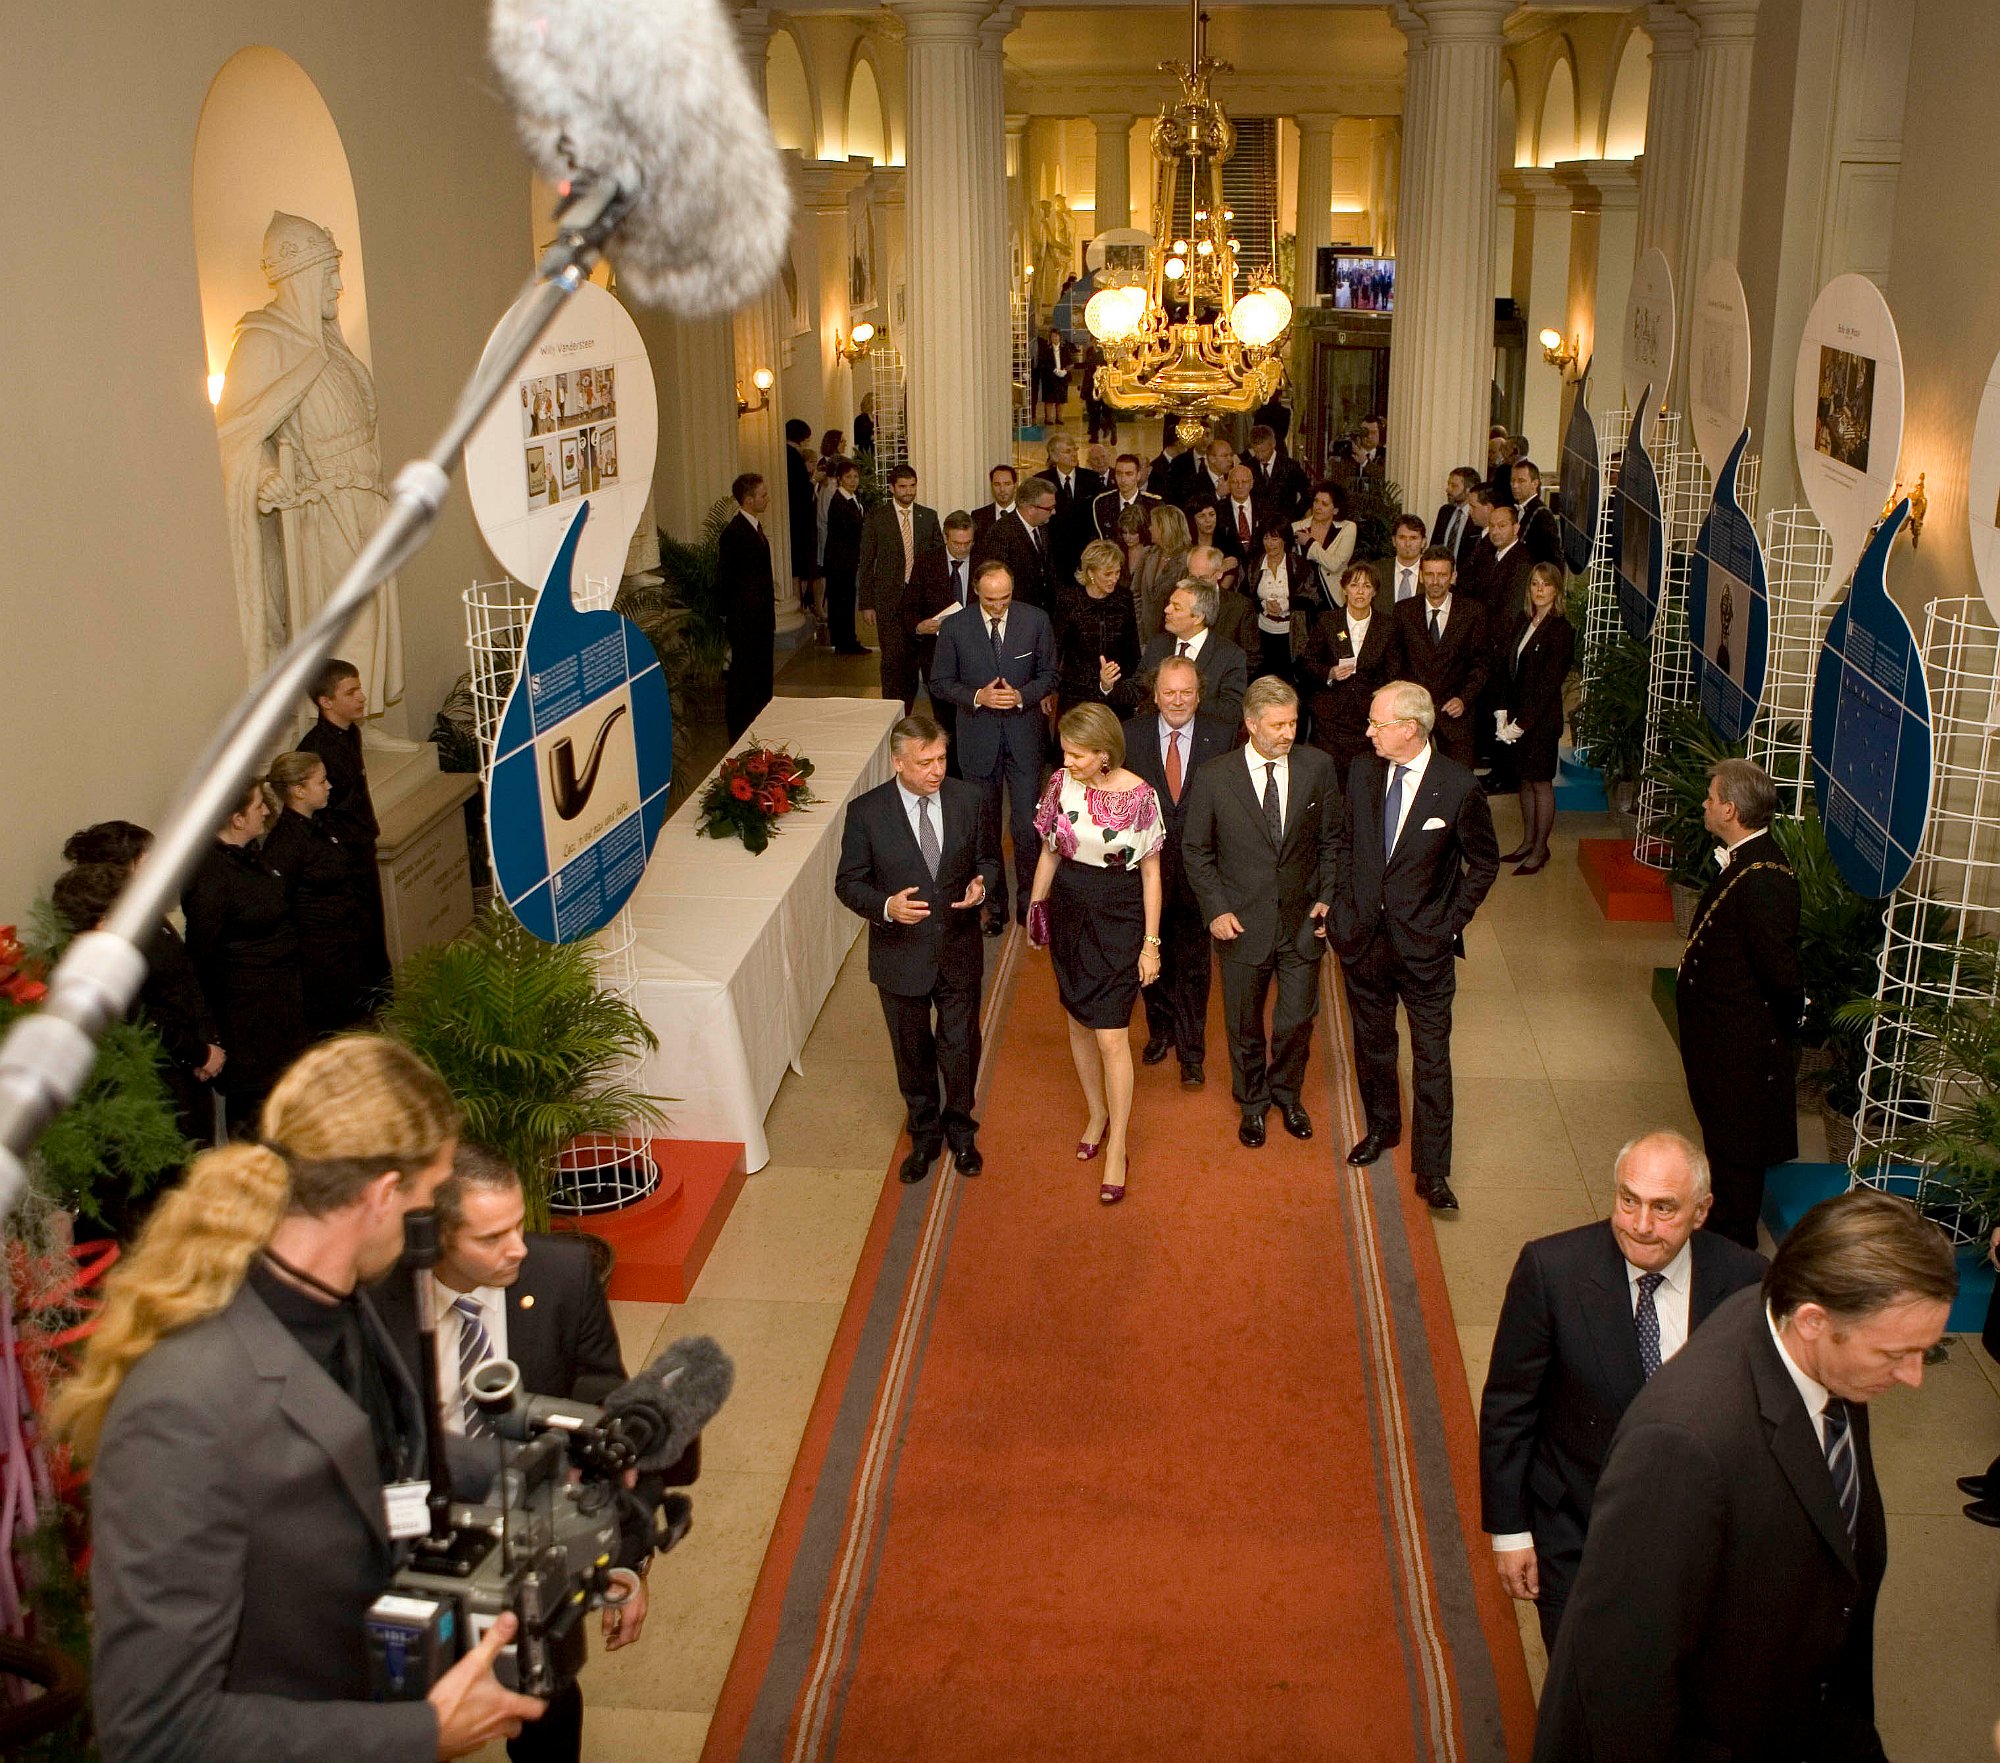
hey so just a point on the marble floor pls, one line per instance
(1560, 1058)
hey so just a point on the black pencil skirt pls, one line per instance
(1097, 928)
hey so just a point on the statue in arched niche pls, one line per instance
(301, 464)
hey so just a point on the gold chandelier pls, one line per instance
(1180, 342)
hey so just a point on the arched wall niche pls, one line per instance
(788, 96)
(867, 131)
(1625, 116)
(1510, 153)
(266, 141)
(1555, 132)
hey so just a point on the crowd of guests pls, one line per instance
(284, 941)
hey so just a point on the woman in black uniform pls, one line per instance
(1534, 653)
(327, 887)
(246, 954)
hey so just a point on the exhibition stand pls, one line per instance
(1626, 890)
(736, 952)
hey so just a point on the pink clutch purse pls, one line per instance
(1038, 924)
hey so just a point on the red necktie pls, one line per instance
(1174, 763)
(1243, 523)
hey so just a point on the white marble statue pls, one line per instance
(301, 465)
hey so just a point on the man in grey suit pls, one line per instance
(239, 1517)
(895, 535)
(996, 663)
(1224, 668)
(1258, 845)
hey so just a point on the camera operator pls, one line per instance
(248, 1418)
(502, 1293)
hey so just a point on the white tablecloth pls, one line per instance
(737, 953)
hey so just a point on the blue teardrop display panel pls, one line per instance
(1729, 608)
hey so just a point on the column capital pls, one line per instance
(942, 21)
(1478, 22)
(754, 25)
(1316, 122)
(1534, 185)
(1606, 184)
(1405, 17)
(1723, 21)
(1114, 120)
(825, 184)
(999, 26)
(1670, 28)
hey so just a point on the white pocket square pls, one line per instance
(1434, 825)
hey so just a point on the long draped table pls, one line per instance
(736, 953)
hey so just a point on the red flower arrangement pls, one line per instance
(19, 980)
(751, 792)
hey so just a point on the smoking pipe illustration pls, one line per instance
(571, 792)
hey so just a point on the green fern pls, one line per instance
(528, 1043)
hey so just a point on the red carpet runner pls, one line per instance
(1188, 1478)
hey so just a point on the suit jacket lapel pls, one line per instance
(1607, 1305)
(1794, 1441)
(1429, 793)
(1248, 787)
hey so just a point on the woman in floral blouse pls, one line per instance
(1095, 905)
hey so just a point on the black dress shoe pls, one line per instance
(1250, 1129)
(917, 1165)
(1297, 1121)
(1515, 855)
(1437, 1194)
(1975, 1485)
(968, 1158)
(1369, 1149)
(1984, 1512)
(1192, 1075)
(996, 927)
(1534, 866)
(1157, 1049)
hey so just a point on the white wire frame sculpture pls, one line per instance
(1603, 624)
(591, 1175)
(892, 426)
(1798, 552)
(1021, 395)
(1950, 897)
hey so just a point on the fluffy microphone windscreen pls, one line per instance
(653, 93)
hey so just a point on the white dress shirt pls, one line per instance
(1257, 762)
(1406, 581)
(1274, 582)
(1670, 1305)
(1455, 529)
(1237, 513)
(1193, 643)
(1413, 775)
(1814, 1394)
(1443, 612)
(1186, 733)
(911, 811)
(1357, 631)
(492, 1302)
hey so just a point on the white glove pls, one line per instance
(1510, 732)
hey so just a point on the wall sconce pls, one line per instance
(854, 347)
(763, 379)
(1558, 354)
(1920, 505)
(214, 389)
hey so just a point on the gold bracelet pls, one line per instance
(1152, 942)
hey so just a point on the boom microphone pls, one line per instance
(665, 1407)
(653, 94)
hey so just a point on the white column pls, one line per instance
(1714, 215)
(1385, 167)
(1669, 131)
(694, 366)
(949, 333)
(995, 393)
(1114, 170)
(1404, 333)
(1604, 215)
(1539, 283)
(1315, 223)
(1448, 348)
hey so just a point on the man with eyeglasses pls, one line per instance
(1414, 856)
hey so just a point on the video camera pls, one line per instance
(556, 1521)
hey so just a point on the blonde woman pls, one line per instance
(1097, 639)
(332, 892)
(1160, 568)
(245, 1414)
(1095, 906)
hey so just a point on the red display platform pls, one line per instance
(1626, 891)
(664, 1239)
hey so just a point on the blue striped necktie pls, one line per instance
(475, 1347)
(1841, 1463)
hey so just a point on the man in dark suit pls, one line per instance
(749, 603)
(1590, 1315)
(801, 507)
(1363, 459)
(1452, 526)
(1496, 580)
(1021, 541)
(1240, 518)
(341, 701)
(1171, 474)
(1440, 641)
(1726, 1603)
(1224, 669)
(1126, 473)
(940, 589)
(1002, 481)
(1235, 618)
(1074, 490)
(844, 519)
(1258, 848)
(1738, 998)
(916, 864)
(894, 536)
(501, 1292)
(1166, 746)
(1209, 470)
(1415, 856)
(996, 662)
(1540, 531)
(1280, 482)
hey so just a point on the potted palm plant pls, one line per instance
(1689, 749)
(534, 1050)
(1610, 723)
